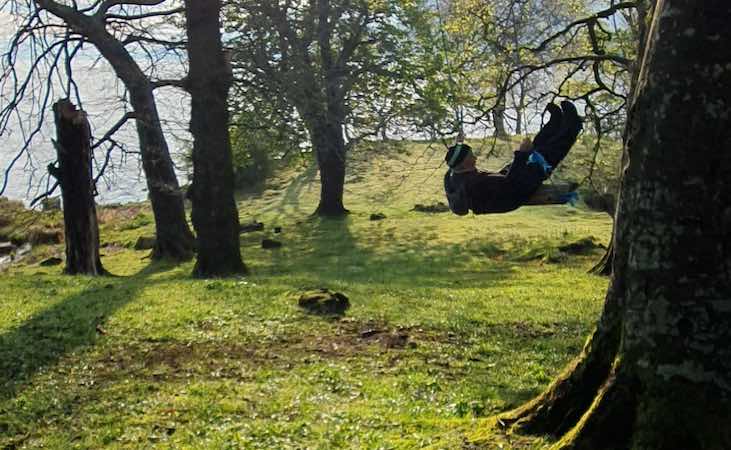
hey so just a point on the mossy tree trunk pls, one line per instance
(657, 372)
(215, 217)
(73, 149)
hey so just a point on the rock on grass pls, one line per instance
(324, 302)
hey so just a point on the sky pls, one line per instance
(100, 92)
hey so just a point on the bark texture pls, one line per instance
(669, 386)
(81, 230)
(215, 217)
(498, 119)
(329, 146)
(174, 238)
(327, 126)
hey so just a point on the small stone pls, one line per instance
(324, 301)
(53, 261)
(269, 243)
(251, 226)
(145, 243)
(396, 340)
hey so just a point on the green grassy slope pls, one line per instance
(452, 319)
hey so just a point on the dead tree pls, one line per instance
(122, 33)
(73, 149)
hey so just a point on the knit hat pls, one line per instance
(456, 154)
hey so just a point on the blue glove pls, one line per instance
(537, 158)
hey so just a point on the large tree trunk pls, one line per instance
(81, 230)
(327, 128)
(327, 138)
(214, 215)
(174, 239)
(670, 379)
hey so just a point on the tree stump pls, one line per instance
(73, 149)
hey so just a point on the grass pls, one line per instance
(452, 320)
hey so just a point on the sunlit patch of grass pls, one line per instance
(452, 320)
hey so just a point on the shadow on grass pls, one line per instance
(328, 250)
(293, 193)
(69, 325)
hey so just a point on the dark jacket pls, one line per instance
(486, 192)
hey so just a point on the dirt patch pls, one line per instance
(176, 359)
(118, 214)
(438, 207)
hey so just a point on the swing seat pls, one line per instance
(553, 194)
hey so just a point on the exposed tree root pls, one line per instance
(604, 266)
(608, 423)
(561, 406)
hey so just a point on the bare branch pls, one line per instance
(179, 83)
(108, 135)
(584, 21)
(107, 4)
(141, 16)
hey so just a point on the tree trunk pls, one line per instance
(214, 214)
(327, 139)
(73, 148)
(327, 127)
(498, 119)
(520, 109)
(670, 380)
(174, 239)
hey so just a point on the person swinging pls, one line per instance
(486, 192)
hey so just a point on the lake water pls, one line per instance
(103, 99)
